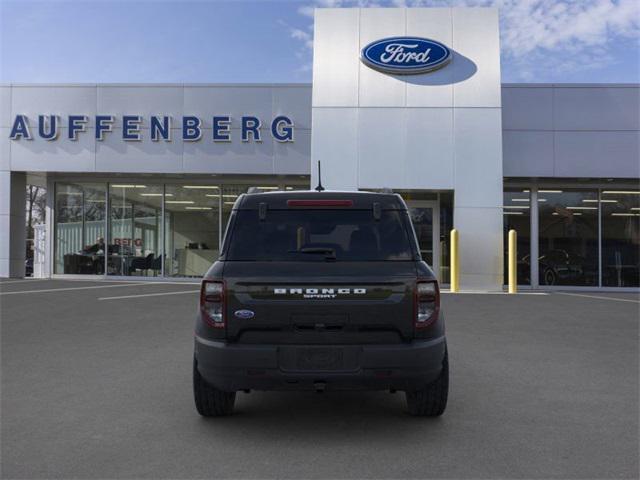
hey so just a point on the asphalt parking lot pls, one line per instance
(542, 386)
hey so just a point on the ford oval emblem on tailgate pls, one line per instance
(244, 314)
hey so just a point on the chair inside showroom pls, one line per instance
(156, 265)
(141, 263)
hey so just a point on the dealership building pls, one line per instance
(141, 178)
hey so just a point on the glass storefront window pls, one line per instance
(620, 238)
(423, 209)
(138, 234)
(570, 226)
(568, 237)
(230, 193)
(68, 216)
(135, 215)
(192, 219)
(95, 199)
(516, 212)
(79, 228)
(446, 225)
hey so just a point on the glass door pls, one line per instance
(425, 215)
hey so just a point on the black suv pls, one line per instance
(320, 291)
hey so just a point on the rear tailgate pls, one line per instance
(319, 302)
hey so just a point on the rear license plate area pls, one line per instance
(320, 358)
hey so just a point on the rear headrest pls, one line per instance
(362, 240)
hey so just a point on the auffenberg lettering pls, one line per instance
(218, 128)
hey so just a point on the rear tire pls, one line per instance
(431, 401)
(211, 402)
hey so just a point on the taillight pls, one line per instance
(427, 303)
(212, 303)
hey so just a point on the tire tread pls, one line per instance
(211, 402)
(432, 400)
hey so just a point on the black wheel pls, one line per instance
(432, 400)
(211, 402)
(550, 277)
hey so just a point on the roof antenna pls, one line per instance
(319, 188)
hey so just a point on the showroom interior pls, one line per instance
(587, 232)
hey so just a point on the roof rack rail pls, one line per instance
(386, 190)
(253, 190)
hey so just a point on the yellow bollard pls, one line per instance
(513, 272)
(455, 262)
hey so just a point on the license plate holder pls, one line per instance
(318, 358)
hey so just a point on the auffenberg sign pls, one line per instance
(49, 127)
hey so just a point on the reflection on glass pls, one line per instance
(517, 216)
(135, 241)
(191, 229)
(568, 237)
(68, 219)
(134, 229)
(446, 225)
(422, 219)
(620, 238)
(79, 228)
(421, 210)
(230, 193)
(347, 235)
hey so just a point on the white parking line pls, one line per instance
(148, 295)
(25, 280)
(599, 297)
(47, 290)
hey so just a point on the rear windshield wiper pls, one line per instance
(330, 253)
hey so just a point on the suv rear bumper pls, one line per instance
(232, 367)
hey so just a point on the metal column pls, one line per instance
(533, 256)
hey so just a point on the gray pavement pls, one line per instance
(543, 386)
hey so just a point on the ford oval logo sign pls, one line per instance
(244, 314)
(405, 55)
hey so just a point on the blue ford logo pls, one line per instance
(405, 55)
(244, 314)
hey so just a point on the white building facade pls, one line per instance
(141, 178)
(439, 130)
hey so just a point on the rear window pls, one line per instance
(320, 235)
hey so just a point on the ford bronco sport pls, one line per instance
(320, 291)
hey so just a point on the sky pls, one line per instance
(211, 41)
